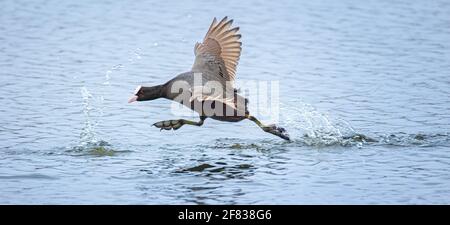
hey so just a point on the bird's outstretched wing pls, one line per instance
(217, 57)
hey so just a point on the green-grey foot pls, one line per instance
(278, 131)
(169, 124)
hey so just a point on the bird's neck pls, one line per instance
(153, 92)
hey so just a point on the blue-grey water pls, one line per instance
(364, 91)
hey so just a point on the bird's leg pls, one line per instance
(273, 129)
(176, 124)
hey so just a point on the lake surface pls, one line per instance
(364, 94)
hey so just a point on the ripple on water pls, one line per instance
(220, 171)
(36, 176)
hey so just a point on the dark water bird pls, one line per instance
(214, 68)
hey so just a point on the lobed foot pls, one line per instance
(278, 131)
(169, 124)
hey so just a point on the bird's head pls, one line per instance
(142, 93)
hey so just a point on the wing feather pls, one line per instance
(221, 47)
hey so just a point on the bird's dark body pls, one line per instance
(223, 112)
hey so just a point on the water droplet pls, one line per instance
(117, 67)
(137, 53)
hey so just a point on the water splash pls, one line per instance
(311, 127)
(93, 111)
(88, 133)
(108, 77)
(90, 143)
(307, 125)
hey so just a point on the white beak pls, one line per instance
(132, 99)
